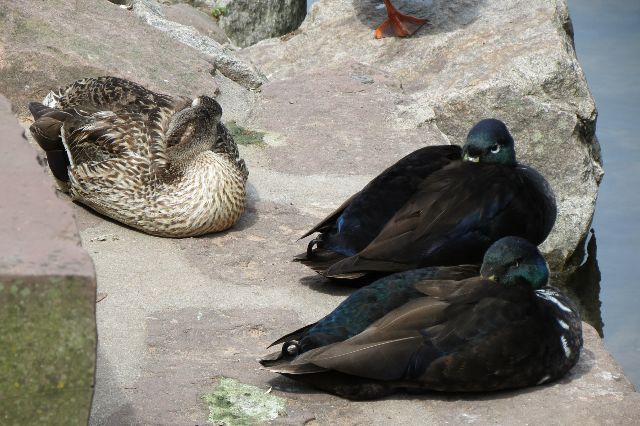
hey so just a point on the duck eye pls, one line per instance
(495, 149)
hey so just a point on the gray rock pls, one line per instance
(230, 66)
(190, 16)
(51, 44)
(47, 293)
(513, 60)
(248, 21)
(164, 346)
(340, 107)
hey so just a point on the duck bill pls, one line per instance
(470, 158)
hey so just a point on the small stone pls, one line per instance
(364, 79)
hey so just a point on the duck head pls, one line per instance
(513, 259)
(489, 141)
(193, 129)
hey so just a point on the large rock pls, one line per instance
(45, 45)
(335, 87)
(188, 15)
(150, 11)
(47, 294)
(248, 21)
(179, 314)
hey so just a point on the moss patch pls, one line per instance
(235, 403)
(244, 136)
(47, 350)
(218, 11)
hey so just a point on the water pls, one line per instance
(607, 39)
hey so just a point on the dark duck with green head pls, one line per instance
(438, 206)
(410, 332)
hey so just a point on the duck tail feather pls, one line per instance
(38, 109)
(47, 132)
(319, 259)
(356, 266)
(277, 363)
(294, 335)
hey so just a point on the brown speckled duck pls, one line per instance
(161, 164)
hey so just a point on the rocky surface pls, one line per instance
(248, 21)
(187, 313)
(229, 65)
(45, 45)
(185, 14)
(513, 60)
(178, 315)
(47, 294)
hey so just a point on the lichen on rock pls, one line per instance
(236, 403)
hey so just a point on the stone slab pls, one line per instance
(187, 312)
(177, 315)
(47, 293)
(507, 59)
(46, 45)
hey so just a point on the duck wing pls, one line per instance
(453, 217)
(473, 327)
(96, 119)
(368, 304)
(395, 336)
(91, 95)
(359, 219)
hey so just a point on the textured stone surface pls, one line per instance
(188, 312)
(248, 21)
(232, 67)
(45, 45)
(47, 294)
(513, 60)
(180, 314)
(190, 16)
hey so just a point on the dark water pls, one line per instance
(607, 39)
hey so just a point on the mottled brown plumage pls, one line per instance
(164, 165)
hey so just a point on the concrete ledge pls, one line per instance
(47, 294)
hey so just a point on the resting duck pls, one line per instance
(402, 25)
(164, 165)
(408, 332)
(440, 205)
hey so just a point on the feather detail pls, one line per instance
(116, 138)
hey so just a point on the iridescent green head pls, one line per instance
(513, 259)
(489, 141)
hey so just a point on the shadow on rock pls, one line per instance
(442, 15)
(583, 285)
(110, 405)
(326, 286)
(290, 385)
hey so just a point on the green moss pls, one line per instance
(235, 403)
(47, 355)
(218, 11)
(244, 136)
